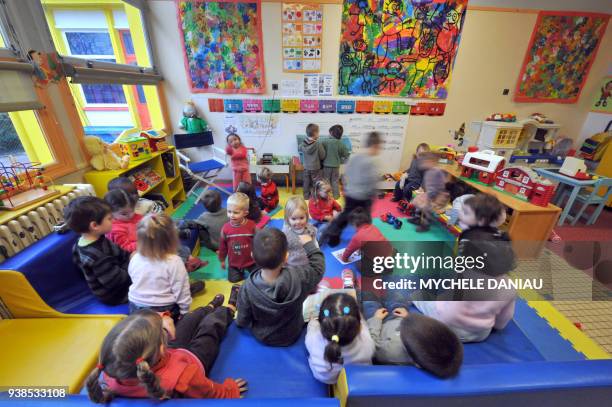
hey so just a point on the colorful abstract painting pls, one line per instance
(223, 45)
(302, 37)
(399, 47)
(559, 56)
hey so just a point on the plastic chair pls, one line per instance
(592, 197)
(204, 172)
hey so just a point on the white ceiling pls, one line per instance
(602, 6)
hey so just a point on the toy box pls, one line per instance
(383, 106)
(252, 105)
(364, 106)
(309, 106)
(482, 165)
(327, 106)
(345, 106)
(157, 139)
(233, 105)
(290, 105)
(136, 146)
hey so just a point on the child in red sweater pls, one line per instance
(366, 233)
(239, 159)
(268, 201)
(236, 240)
(125, 223)
(322, 206)
(144, 355)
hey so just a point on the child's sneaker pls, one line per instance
(233, 298)
(217, 301)
(193, 263)
(196, 287)
(348, 278)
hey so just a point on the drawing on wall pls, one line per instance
(302, 28)
(223, 45)
(399, 47)
(561, 51)
(602, 102)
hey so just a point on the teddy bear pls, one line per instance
(102, 157)
(191, 122)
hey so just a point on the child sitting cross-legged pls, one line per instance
(159, 277)
(125, 223)
(270, 301)
(236, 239)
(340, 337)
(146, 356)
(268, 201)
(296, 224)
(477, 312)
(103, 263)
(211, 222)
(404, 338)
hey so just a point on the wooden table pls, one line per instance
(277, 169)
(564, 180)
(529, 225)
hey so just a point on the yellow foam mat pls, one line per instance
(50, 351)
(213, 287)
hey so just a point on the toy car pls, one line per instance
(406, 207)
(445, 152)
(391, 220)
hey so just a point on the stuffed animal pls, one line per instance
(102, 157)
(191, 122)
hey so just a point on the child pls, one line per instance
(269, 193)
(103, 263)
(361, 177)
(480, 311)
(125, 219)
(412, 177)
(366, 234)
(144, 355)
(296, 224)
(143, 205)
(270, 301)
(336, 153)
(159, 277)
(322, 206)
(125, 222)
(240, 162)
(211, 222)
(404, 338)
(314, 153)
(434, 197)
(236, 239)
(254, 210)
(339, 337)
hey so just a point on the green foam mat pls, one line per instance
(212, 271)
(408, 232)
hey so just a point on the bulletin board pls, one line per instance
(302, 36)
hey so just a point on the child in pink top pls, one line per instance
(125, 220)
(239, 159)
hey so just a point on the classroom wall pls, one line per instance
(490, 55)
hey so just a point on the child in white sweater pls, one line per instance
(340, 337)
(296, 224)
(159, 277)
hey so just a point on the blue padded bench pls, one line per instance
(48, 266)
(82, 400)
(559, 384)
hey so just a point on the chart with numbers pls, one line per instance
(302, 26)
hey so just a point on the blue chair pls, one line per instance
(204, 172)
(592, 197)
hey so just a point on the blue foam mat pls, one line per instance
(272, 372)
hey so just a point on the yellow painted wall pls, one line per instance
(490, 55)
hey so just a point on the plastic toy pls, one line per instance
(400, 108)
(445, 152)
(540, 118)
(459, 135)
(252, 105)
(327, 106)
(502, 117)
(102, 157)
(499, 136)
(290, 105)
(482, 164)
(191, 122)
(157, 139)
(391, 220)
(383, 106)
(309, 106)
(575, 168)
(271, 106)
(22, 184)
(215, 105)
(345, 106)
(364, 106)
(233, 105)
(133, 145)
(525, 184)
(406, 207)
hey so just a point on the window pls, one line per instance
(110, 31)
(22, 140)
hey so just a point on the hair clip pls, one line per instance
(346, 310)
(326, 313)
(335, 338)
(100, 366)
(139, 360)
